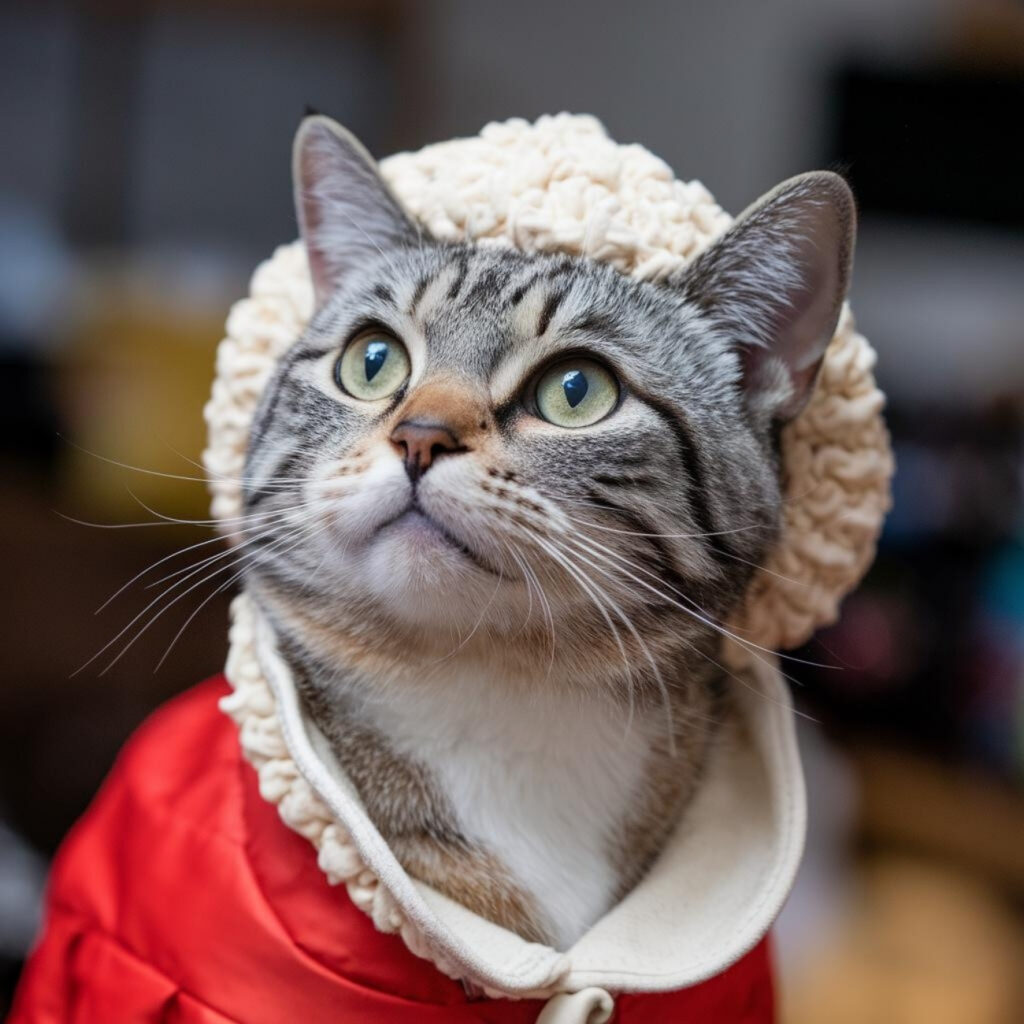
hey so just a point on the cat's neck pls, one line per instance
(533, 784)
(538, 806)
(549, 784)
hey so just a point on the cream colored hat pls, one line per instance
(561, 185)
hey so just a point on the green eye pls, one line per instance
(576, 393)
(373, 365)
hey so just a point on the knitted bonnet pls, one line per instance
(562, 185)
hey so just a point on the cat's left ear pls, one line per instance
(347, 214)
(774, 284)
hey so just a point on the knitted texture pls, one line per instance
(253, 708)
(561, 185)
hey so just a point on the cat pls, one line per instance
(499, 506)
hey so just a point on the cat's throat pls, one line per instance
(536, 810)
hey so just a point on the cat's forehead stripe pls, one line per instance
(434, 296)
(487, 286)
(554, 300)
(462, 264)
(521, 290)
(417, 295)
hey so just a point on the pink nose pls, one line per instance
(421, 444)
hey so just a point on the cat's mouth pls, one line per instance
(417, 521)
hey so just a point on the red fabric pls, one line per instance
(181, 898)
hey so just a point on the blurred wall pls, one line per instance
(731, 92)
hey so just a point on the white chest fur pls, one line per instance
(543, 782)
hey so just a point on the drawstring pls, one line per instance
(588, 1006)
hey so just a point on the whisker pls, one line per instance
(722, 668)
(582, 583)
(265, 518)
(245, 519)
(692, 536)
(179, 476)
(218, 590)
(663, 536)
(472, 632)
(174, 554)
(165, 520)
(546, 609)
(693, 610)
(161, 596)
(529, 586)
(663, 689)
(228, 552)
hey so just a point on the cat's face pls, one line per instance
(471, 439)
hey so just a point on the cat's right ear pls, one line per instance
(774, 284)
(346, 212)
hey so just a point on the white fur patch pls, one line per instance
(542, 783)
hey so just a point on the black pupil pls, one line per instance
(574, 384)
(376, 355)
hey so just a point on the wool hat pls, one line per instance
(562, 185)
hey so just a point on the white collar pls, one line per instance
(710, 897)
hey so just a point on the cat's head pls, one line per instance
(475, 445)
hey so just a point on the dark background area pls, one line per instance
(144, 173)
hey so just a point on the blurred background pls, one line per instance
(145, 170)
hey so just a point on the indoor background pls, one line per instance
(144, 171)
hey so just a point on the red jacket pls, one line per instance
(182, 898)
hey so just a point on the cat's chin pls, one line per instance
(425, 573)
(420, 539)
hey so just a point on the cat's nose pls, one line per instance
(422, 443)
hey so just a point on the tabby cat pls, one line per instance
(499, 507)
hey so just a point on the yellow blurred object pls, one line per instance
(132, 381)
(924, 945)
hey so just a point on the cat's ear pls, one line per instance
(775, 283)
(346, 212)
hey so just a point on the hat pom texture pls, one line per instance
(562, 185)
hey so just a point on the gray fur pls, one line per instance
(684, 491)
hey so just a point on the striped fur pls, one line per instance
(522, 682)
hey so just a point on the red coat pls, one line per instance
(182, 898)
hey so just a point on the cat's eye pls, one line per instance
(576, 393)
(375, 364)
